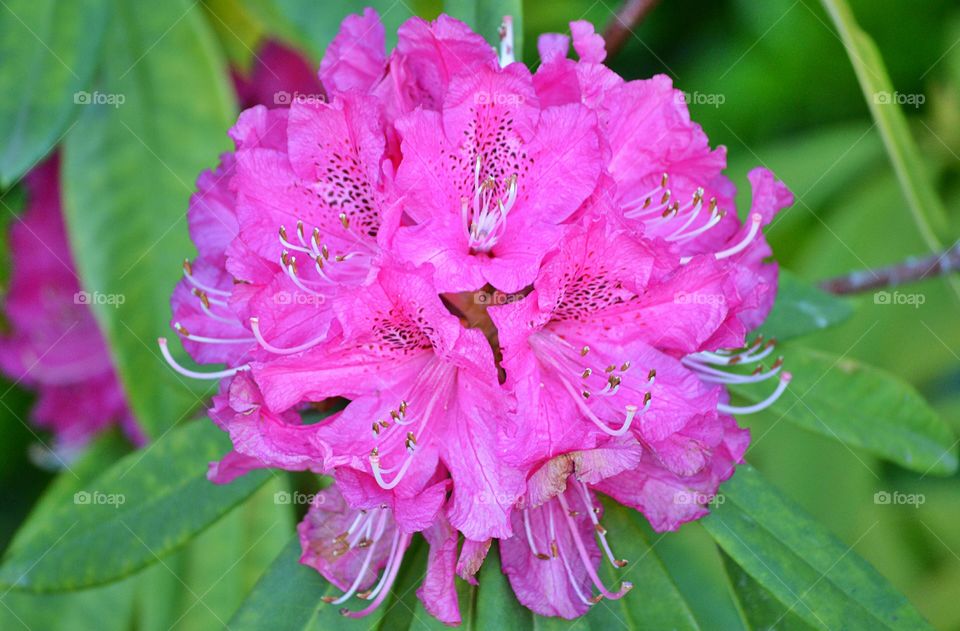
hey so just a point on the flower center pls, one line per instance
(485, 216)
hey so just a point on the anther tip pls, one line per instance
(756, 217)
(786, 377)
(327, 599)
(344, 612)
(254, 320)
(162, 341)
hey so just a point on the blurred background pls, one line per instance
(769, 80)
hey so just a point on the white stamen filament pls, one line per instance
(188, 274)
(389, 576)
(755, 220)
(378, 473)
(210, 314)
(601, 532)
(555, 545)
(714, 375)
(435, 394)
(529, 531)
(749, 356)
(368, 557)
(485, 219)
(757, 407)
(715, 218)
(210, 340)
(585, 556)
(186, 372)
(267, 346)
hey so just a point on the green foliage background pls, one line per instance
(777, 86)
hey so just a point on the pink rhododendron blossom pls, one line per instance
(54, 345)
(529, 288)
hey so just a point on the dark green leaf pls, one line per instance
(819, 578)
(862, 406)
(759, 607)
(129, 170)
(49, 51)
(801, 309)
(142, 508)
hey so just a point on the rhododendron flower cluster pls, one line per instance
(53, 344)
(530, 288)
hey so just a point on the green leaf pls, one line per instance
(759, 607)
(50, 50)
(211, 576)
(311, 25)
(104, 609)
(485, 17)
(145, 506)
(129, 169)
(287, 598)
(861, 406)
(819, 578)
(925, 205)
(99, 456)
(79, 611)
(801, 309)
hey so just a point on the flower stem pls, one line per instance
(911, 270)
(624, 21)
